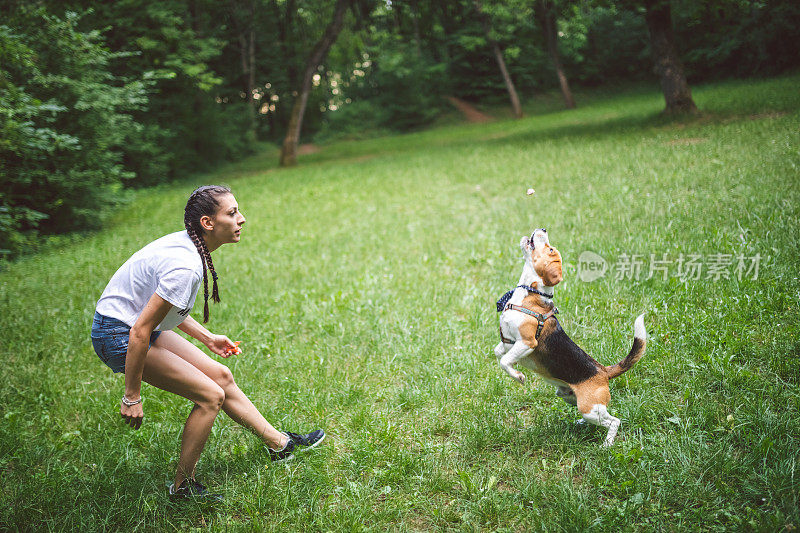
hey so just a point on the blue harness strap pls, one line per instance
(503, 305)
(540, 318)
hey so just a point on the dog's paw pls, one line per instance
(520, 377)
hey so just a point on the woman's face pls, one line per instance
(226, 224)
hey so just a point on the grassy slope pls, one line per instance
(363, 291)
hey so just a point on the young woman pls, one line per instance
(153, 293)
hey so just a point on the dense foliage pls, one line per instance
(98, 96)
(64, 118)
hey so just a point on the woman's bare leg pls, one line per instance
(165, 370)
(237, 405)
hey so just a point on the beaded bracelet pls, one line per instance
(129, 403)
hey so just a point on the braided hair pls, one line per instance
(203, 202)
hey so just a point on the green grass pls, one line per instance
(363, 291)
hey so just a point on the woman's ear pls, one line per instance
(206, 223)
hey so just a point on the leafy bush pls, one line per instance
(173, 45)
(63, 122)
(605, 45)
(738, 38)
(398, 91)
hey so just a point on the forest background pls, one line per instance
(97, 98)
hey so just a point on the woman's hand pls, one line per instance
(222, 345)
(218, 344)
(132, 414)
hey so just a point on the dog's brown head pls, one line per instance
(543, 257)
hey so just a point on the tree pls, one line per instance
(244, 23)
(498, 54)
(668, 66)
(546, 15)
(64, 120)
(317, 56)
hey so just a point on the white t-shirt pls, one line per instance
(170, 267)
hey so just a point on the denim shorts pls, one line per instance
(110, 340)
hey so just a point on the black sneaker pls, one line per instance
(309, 440)
(279, 456)
(190, 489)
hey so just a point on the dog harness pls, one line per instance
(503, 305)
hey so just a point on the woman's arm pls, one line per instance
(195, 329)
(138, 343)
(216, 343)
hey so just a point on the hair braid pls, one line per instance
(215, 289)
(203, 202)
(199, 244)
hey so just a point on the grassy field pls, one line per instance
(363, 293)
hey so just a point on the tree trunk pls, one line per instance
(318, 54)
(284, 28)
(247, 47)
(415, 26)
(442, 53)
(197, 104)
(668, 65)
(498, 54)
(248, 74)
(547, 20)
(286, 40)
(251, 79)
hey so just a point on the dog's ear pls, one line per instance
(553, 274)
(525, 243)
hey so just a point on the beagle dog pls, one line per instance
(531, 335)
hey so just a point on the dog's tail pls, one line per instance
(636, 353)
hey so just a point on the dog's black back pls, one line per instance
(563, 359)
